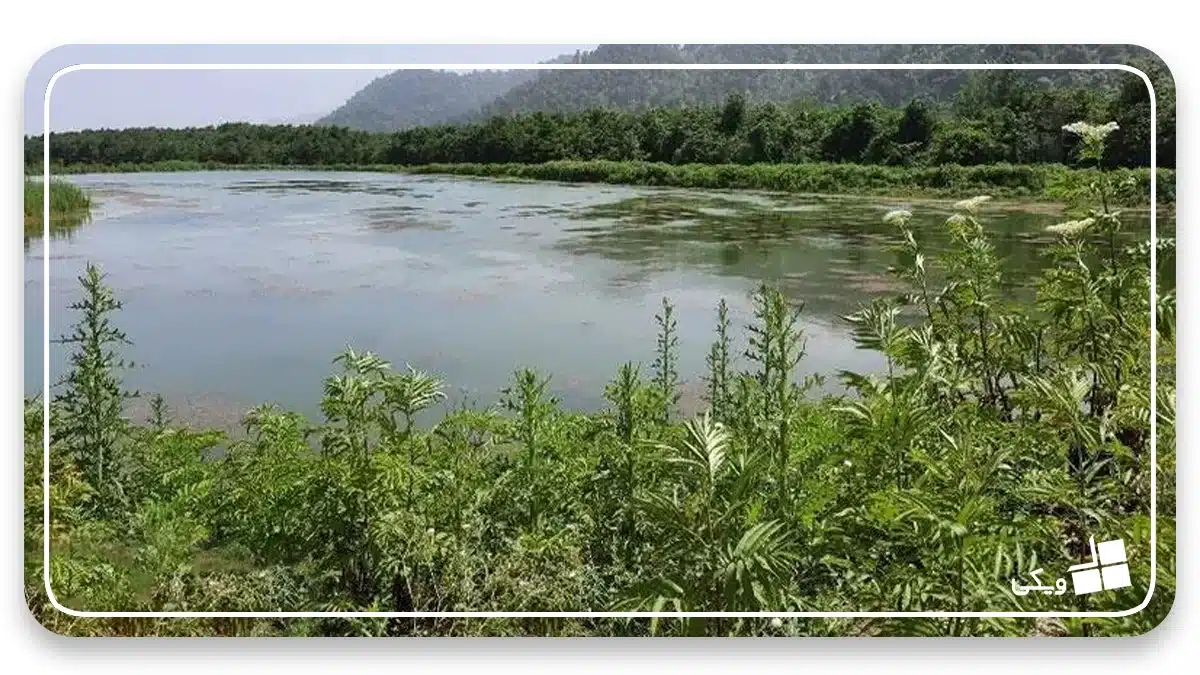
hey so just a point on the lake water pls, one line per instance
(240, 287)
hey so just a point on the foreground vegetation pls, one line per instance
(999, 438)
(70, 206)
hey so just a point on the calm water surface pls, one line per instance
(240, 287)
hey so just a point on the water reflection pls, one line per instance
(827, 251)
(62, 227)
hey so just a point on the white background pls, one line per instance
(31, 29)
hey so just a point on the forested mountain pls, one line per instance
(417, 98)
(412, 98)
(996, 116)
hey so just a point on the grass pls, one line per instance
(1050, 182)
(70, 206)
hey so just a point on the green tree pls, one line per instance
(732, 114)
(917, 125)
(852, 133)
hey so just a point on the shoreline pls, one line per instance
(1035, 182)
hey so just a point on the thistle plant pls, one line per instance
(91, 404)
(720, 366)
(777, 345)
(666, 360)
(527, 397)
(625, 394)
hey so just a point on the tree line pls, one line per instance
(1002, 116)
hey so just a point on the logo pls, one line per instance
(1108, 570)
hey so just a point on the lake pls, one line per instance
(241, 287)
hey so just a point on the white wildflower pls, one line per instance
(776, 622)
(848, 462)
(972, 204)
(897, 216)
(962, 226)
(1071, 227)
(1091, 132)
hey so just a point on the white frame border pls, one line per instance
(46, 130)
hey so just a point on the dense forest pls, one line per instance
(407, 99)
(1002, 436)
(996, 116)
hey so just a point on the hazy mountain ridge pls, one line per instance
(405, 99)
(411, 98)
(570, 91)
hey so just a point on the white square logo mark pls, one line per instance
(1111, 552)
(1115, 576)
(1087, 581)
(1107, 571)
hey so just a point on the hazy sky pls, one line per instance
(115, 99)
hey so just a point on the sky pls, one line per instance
(117, 99)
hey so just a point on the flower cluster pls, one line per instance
(1071, 227)
(1092, 137)
(1091, 133)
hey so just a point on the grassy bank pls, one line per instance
(1050, 182)
(70, 206)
